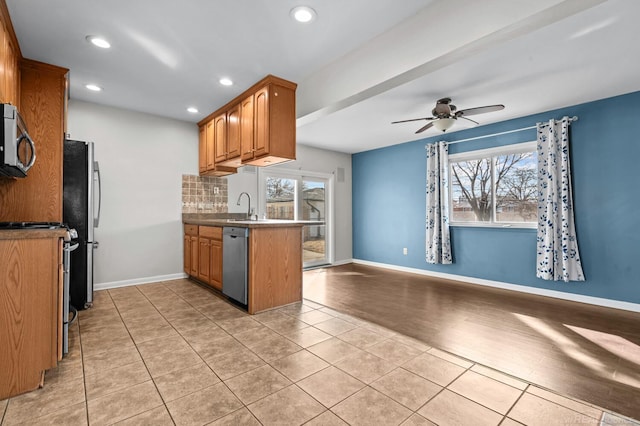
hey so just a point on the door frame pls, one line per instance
(299, 175)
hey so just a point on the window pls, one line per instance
(296, 195)
(494, 187)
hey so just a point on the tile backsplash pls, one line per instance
(204, 194)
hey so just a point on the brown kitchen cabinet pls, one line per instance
(203, 254)
(191, 250)
(231, 154)
(208, 132)
(274, 261)
(274, 139)
(260, 125)
(220, 137)
(247, 128)
(202, 150)
(31, 301)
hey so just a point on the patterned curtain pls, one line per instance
(438, 241)
(557, 252)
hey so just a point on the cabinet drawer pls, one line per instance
(213, 232)
(190, 229)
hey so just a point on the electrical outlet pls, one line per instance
(404, 251)
(216, 190)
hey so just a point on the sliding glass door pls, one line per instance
(296, 195)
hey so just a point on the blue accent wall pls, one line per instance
(389, 204)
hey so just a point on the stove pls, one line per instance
(32, 225)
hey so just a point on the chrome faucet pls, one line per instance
(249, 212)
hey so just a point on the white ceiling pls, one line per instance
(360, 65)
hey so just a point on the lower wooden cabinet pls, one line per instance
(203, 254)
(215, 278)
(30, 316)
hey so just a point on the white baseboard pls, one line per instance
(138, 281)
(342, 262)
(598, 301)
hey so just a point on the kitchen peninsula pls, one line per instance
(274, 257)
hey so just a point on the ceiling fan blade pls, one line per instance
(473, 121)
(422, 129)
(480, 110)
(413, 119)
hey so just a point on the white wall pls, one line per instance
(142, 158)
(311, 160)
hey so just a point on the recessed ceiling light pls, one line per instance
(192, 110)
(226, 81)
(98, 41)
(303, 14)
(93, 87)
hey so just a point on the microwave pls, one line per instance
(17, 150)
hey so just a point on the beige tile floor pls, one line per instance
(174, 353)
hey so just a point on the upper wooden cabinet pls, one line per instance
(208, 134)
(274, 138)
(260, 125)
(246, 128)
(202, 149)
(220, 138)
(231, 154)
(9, 61)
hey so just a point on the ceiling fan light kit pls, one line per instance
(444, 123)
(445, 115)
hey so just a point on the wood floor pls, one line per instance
(587, 352)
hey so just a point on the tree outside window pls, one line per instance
(494, 186)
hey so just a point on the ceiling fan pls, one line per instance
(445, 115)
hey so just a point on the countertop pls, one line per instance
(21, 234)
(234, 219)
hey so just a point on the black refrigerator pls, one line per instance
(81, 211)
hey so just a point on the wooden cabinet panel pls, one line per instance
(193, 243)
(211, 150)
(204, 259)
(38, 197)
(220, 138)
(261, 143)
(215, 277)
(246, 127)
(29, 315)
(187, 254)
(275, 267)
(275, 125)
(9, 60)
(213, 232)
(233, 133)
(202, 149)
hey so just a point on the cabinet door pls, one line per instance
(246, 128)
(210, 144)
(233, 130)
(194, 256)
(220, 137)
(261, 143)
(187, 255)
(202, 149)
(216, 264)
(204, 259)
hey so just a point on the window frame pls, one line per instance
(490, 153)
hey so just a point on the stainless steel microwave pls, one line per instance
(17, 150)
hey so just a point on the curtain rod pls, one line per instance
(574, 118)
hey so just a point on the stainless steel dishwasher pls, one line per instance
(234, 263)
